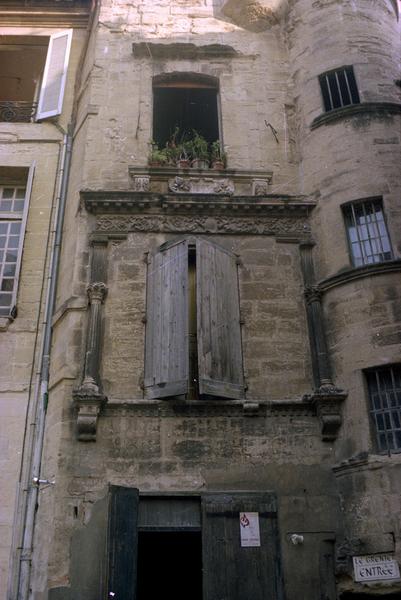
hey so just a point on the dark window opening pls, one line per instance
(351, 596)
(367, 233)
(339, 88)
(193, 388)
(384, 387)
(22, 61)
(169, 565)
(186, 105)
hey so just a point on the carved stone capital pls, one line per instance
(312, 293)
(141, 184)
(96, 292)
(327, 400)
(88, 401)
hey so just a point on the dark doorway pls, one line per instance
(169, 565)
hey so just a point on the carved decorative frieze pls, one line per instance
(260, 187)
(203, 224)
(141, 184)
(201, 185)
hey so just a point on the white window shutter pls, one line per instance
(55, 75)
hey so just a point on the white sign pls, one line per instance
(375, 567)
(249, 528)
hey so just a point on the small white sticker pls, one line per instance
(249, 529)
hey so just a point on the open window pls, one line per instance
(187, 101)
(193, 335)
(15, 189)
(33, 72)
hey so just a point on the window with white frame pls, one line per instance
(14, 197)
(368, 238)
(384, 387)
(33, 71)
(339, 88)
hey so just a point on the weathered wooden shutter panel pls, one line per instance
(232, 572)
(218, 315)
(55, 75)
(122, 542)
(166, 353)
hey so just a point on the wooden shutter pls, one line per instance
(218, 322)
(166, 354)
(54, 76)
(122, 547)
(232, 572)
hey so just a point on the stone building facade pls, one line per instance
(226, 343)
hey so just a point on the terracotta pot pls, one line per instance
(218, 165)
(200, 163)
(183, 163)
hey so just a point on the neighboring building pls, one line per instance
(40, 46)
(226, 343)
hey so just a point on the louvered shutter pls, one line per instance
(122, 543)
(233, 572)
(54, 76)
(218, 323)
(166, 350)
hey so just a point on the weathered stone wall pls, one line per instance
(162, 447)
(27, 145)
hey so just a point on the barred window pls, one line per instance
(339, 88)
(12, 205)
(384, 385)
(368, 237)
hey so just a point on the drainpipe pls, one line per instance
(31, 484)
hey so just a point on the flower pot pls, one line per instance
(183, 163)
(200, 163)
(218, 165)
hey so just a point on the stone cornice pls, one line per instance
(391, 266)
(128, 202)
(368, 109)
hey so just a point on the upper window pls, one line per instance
(339, 88)
(368, 237)
(384, 386)
(32, 76)
(187, 102)
(13, 210)
(193, 336)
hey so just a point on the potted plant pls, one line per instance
(200, 151)
(157, 157)
(184, 154)
(218, 156)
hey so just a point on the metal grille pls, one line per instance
(17, 112)
(368, 238)
(384, 387)
(12, 202)
(339, 88)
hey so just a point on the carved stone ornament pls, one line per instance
(201, 185)
(260, 187)
(312, 293)
(141, 184)
(96, 292)
(327, 400)
(88, 400)
(203, 224)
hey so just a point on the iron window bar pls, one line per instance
(339, 88)
(384, 386)
(367, 233)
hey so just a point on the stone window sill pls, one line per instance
(390, 266)
(373, 109)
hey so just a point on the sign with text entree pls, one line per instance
(375, 567)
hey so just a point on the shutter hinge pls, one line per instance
(144, 319)
(146, 258)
